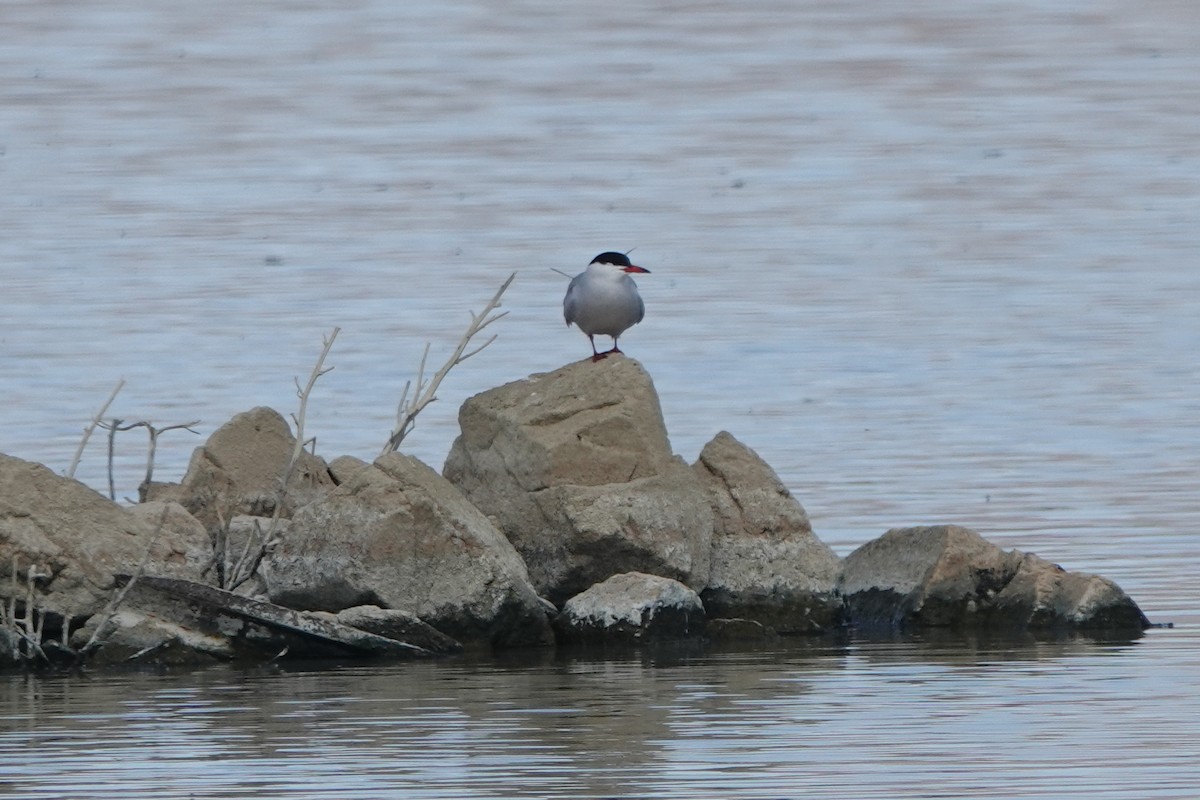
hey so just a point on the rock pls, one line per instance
(1043, 595)
(343, 467)
(77, 540)
(394, 624)
(766, 565)
(237, 471)
(399, 536)
(134, 635)
(947, 576)
(576, 469)
(632, 607)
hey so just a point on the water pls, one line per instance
(901, 720)
(935, 263)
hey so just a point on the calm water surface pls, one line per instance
(900, 720)
(936, 263)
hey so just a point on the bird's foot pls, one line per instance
(600, 356)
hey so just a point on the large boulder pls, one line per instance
(947, 576)
(631, 607)
(766, 565)
(239, 469)
(398, 535)
(576, 469)
(75, 540)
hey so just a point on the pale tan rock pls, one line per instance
(399, 536)
(767, 564)
(78, 540)
(238, 470)
(576, 468)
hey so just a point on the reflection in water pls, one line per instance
(804, 718)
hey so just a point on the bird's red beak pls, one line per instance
(632, 268)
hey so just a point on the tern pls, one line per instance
(603, 300)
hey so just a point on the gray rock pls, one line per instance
(77, 540)
(238, 470)
(767, 565)
(947, 576)
(632, 607)
(398, 535)
(576, 469)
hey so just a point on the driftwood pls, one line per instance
(300, 632)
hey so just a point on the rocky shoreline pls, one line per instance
(561, 515)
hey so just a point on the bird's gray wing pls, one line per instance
(641, 310)
(571, 301)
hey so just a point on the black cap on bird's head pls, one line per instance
(618, 260)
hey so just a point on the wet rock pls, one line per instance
(238, 470)
(399, 536)
(74, 540)
(767, 564)
(134, 635)
(632, 607)
(576, 469)
(947, 576)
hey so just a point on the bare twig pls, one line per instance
(113, 427)
(155, 433)
(425, 393)
(25, 631)
(251, 556)
(303, 394)
(87, 432)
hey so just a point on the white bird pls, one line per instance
(604, 300)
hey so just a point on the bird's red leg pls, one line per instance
(595, 356)
(615, 349)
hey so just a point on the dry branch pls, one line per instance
(251, 556)
(425, 393)
(87, 432)
(115, 425)
(24, 631)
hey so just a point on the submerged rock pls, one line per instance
(632, 607)
(948, 576)
(399, 536)
(576, 469)
(767, 564)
